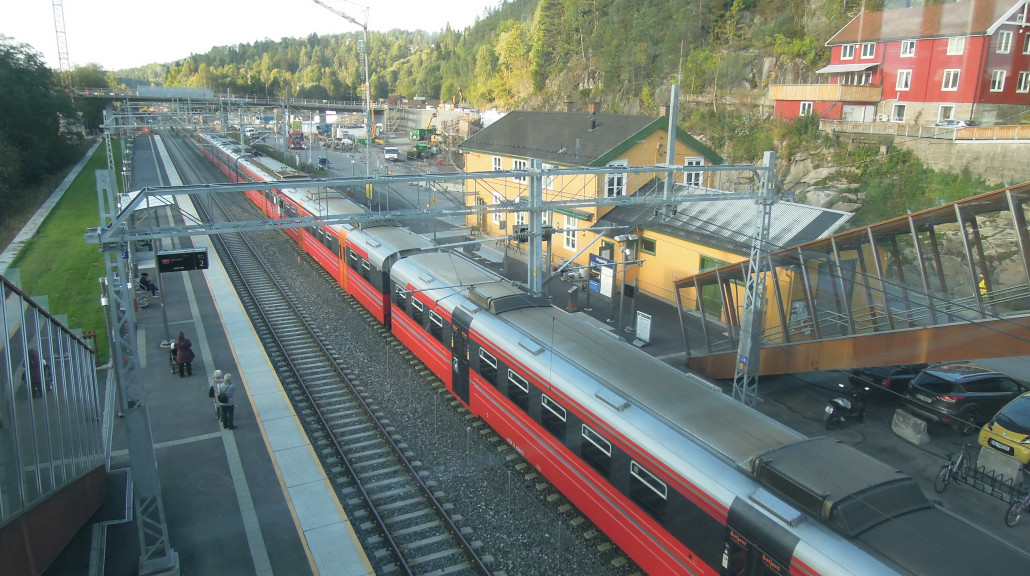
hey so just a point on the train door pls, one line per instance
(460, 323)
(741, 557)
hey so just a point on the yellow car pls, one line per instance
(1009, 431)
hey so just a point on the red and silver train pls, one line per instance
(683, 478)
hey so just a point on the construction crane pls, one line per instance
(363, 49)
(62, 48)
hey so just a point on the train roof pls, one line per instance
(934, 541)
(688, 404)
(277, 169)
(382, 242)
(848, 489)
(331, 202)
(451, 273)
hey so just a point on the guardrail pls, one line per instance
(971, 133)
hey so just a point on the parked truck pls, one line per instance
(391, 153)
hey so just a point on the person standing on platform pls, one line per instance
(212, 393)
(184, 355)
(225, 394)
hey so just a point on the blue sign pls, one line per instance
(596, 262)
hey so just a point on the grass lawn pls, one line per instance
(59, 264)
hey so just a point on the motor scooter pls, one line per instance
(851, 406)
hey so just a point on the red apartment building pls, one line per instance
(964, 60)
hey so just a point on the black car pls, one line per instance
(892, 379)
(961, 395)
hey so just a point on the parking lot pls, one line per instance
(799, 400)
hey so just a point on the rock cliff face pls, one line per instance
(1007, 274)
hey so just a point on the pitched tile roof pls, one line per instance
(940, 21)
(572, 138)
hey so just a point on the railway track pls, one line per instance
(404, 526)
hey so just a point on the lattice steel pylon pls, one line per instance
(752, 317)
(64, 64)
(157, 557)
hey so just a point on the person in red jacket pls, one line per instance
(184, 355)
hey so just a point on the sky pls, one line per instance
(118, 34)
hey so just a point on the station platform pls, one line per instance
(252, 500)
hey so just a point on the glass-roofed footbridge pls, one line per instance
(948, 283)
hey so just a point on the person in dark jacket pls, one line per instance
(184, 355)
(35, 372)
(225, 395)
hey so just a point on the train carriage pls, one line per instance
(370, 252)
(684, 479)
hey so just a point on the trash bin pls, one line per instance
(574, 299)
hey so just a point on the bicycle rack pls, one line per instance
(992, 483)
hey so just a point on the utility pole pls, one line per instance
(752, 318)
(363, 49)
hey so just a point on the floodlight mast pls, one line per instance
(368, 87)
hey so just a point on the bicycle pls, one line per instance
(957, 467)
(1017, 509)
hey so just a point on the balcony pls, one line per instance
(826, 92)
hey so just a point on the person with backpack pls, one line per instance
(184, 354)
(225, 394)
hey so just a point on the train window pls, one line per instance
(597, 451)
(416, 311)
(366, 270)
(648, 491)
(352, 260)
(488, 366)
(400, 297)
(518, 390)
(436, 326)
(553, 416)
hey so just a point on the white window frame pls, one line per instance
(517, 164)
(956, 45)
(569, 235)
(1026, 44)
(548, 179)
(554, 408)
(545, 218)
(908, 48)
(847, 52)
(950, 81)
(946, 112)
(904, 82)
(520, 218)
(498, 216)
(597, 440)
(647, 478)
(1004, 42)
(868, 50)
(1023, 81)
(497, 163)
(998, 80)
(518, 380)
(895, 116)
(615, 182)
(805, 109)
(694, 178)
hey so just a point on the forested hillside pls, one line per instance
(538, 53)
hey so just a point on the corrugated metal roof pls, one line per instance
(729, 224)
